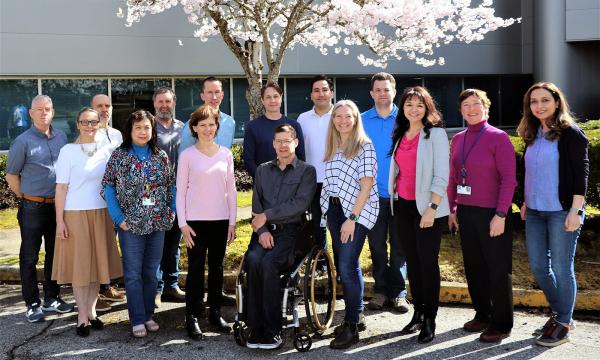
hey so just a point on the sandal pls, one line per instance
(151, 325)
(139, 331)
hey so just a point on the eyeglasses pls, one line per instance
(285, 142)
(89, 122)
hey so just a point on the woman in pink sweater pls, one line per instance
(206, 211)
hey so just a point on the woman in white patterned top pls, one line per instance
(350, 203)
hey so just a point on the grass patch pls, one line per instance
(8, 219)
(244, 199)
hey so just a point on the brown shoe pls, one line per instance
(491, 335)
(157, 300)
(112, 294)
(102, 305)
(475, 325)
(377, 302)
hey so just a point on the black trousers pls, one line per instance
(422, 247)
(211, 237)
(36, 220)
(264, 267)
(488, 266)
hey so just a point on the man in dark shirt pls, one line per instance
(258, 135)
(283, 190)
(31, 175)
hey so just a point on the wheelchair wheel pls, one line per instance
(240, 333)
(319, 290)
(302, 342)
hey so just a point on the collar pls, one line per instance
(372, 113)
(293, 164)
(314, 112)
(38, 133)
(476, 127)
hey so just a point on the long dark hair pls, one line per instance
(136, 117)
(562, 119)
(431, 118)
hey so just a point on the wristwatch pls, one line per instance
(501, 214)
(576, 210)
(433, 206)
(353, 217)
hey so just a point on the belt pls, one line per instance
(39, 199)
(335, 200)
(279, 227)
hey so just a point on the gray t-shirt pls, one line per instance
(33, 157)
(169, 140)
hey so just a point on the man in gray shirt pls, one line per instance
(168, 134)
(283, 190)
(30, 174)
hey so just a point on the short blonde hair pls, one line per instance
(357, 139)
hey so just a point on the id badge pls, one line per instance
(463, 189)
(148, 201)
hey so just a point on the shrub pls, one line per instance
(7, 197)
(243, 180)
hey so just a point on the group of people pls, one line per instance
(388, 174)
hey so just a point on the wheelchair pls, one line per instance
(311, 280)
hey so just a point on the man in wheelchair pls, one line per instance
(283, 190)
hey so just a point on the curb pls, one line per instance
(450, 292)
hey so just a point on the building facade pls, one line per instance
(71, 50)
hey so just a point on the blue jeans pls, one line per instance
(389, 273)
(168, 270)
(141, 258)
(348, 255)
(551, 252)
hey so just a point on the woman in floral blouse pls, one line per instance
(139, 187)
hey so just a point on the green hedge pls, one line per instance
(592, 131)
(7, 197)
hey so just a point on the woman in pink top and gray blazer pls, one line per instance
(482, 183)
(206, 212)
(418, 180)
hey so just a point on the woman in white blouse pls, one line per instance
(350, 203)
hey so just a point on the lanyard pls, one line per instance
(463, 170)
(146, 165)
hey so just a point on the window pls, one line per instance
(490, 85)
(188, 97)
(68, 97)
(355, 89)
(298, 96)
(512, 90)
(129, 95)
(15, 101)
(445, 91)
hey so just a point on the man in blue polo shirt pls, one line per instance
(389, 272)
(211, 94)
(31, 175)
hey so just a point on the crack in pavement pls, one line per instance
(11, 352)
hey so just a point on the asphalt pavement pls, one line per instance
(55, 338)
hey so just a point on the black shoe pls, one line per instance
(414, 325)
(227, 300)
(346, 338)
(192, 328)
(173, 295)
(254, 339)
(271, 342)
(83, 330)
(361, 326)
(427, 331)
(96, 324)
(217, 321)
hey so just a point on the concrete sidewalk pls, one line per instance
(56, 337)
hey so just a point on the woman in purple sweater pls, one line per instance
(480, 192)
(556, 173)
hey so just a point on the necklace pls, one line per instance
(89, 153)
